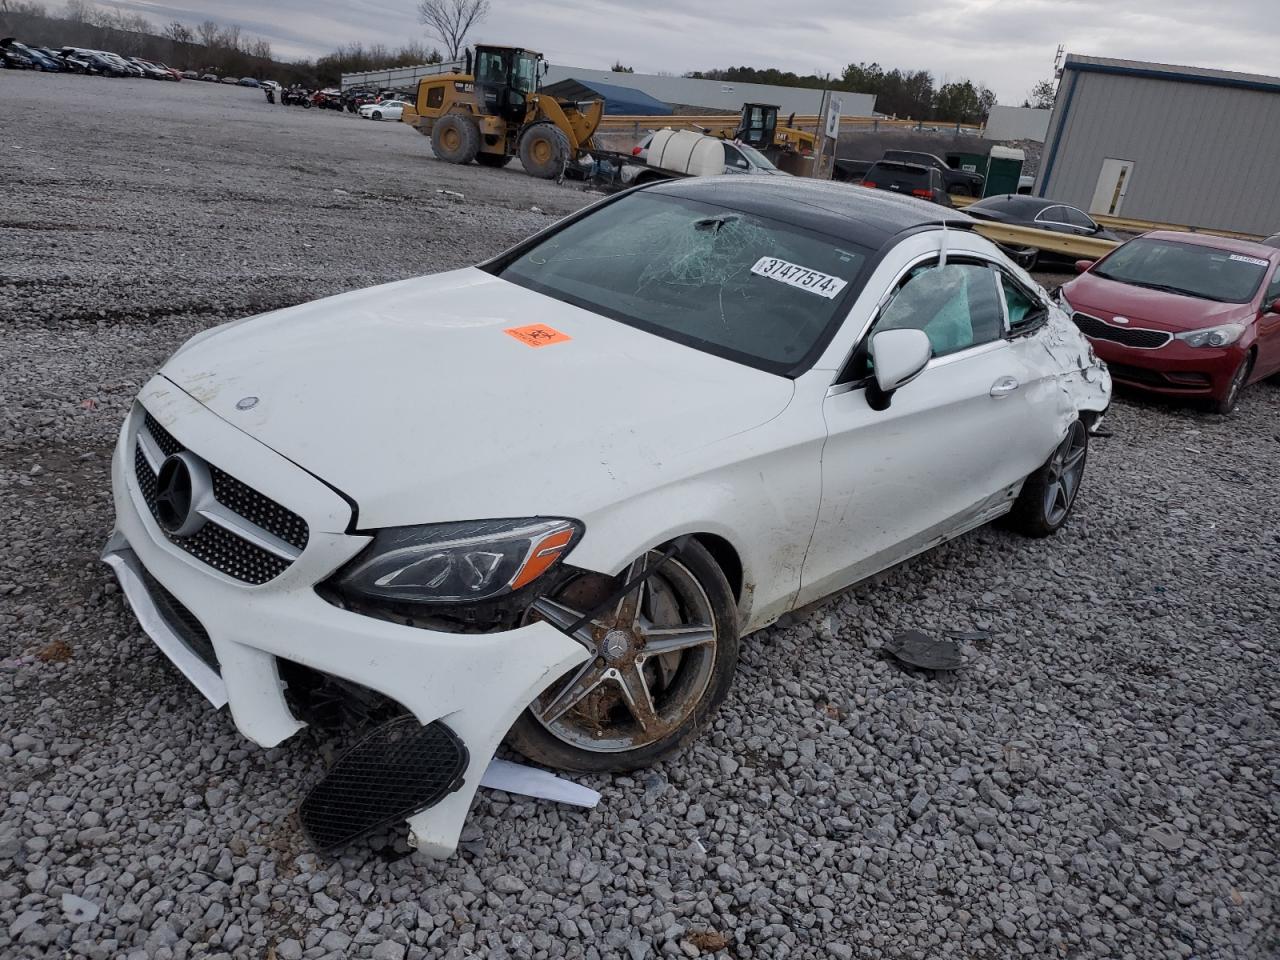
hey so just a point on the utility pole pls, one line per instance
(828, 134)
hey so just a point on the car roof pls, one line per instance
(866, 217)
(1249, 248)
(1019, 202)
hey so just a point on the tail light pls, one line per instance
(928, 195)
(635, 151)
(869, 183)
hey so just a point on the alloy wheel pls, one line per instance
(652, 657)
(1065, 471)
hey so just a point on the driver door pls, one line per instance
(944, 456)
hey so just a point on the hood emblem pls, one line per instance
(246, 403)
(1117, 319)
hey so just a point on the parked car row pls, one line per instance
(16, 55)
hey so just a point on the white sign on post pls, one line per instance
(833, 117)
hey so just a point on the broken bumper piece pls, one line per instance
(400, 769)
(228, 637)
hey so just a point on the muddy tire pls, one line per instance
(544, 150)
(663, 661)
(493, 159)
(1227, 403)
(1049, 494)
(455, 139)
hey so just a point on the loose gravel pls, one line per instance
(1100, 780)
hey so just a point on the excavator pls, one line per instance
(493, 111)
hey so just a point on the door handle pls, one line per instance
(1004, 386)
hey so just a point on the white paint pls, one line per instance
(411, 400)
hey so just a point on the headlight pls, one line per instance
(457, 562)
(1219, 336)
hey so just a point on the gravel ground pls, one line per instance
(1099, 781)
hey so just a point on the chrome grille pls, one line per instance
(249, 536)
(1128, 336)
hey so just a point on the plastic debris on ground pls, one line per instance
(917, 649)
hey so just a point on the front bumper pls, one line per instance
(476, 683)
(1174, 369)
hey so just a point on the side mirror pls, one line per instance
(898, 357)
(1083, 265)
(1274, 306)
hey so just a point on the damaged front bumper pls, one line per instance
(228, 636)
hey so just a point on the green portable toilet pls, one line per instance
(1004, 169)
(968, 162)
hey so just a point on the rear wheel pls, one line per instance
(1228, 401)
(662, 660)
(544, 150)
(1049, 494)
(493, 159)
(455, 138)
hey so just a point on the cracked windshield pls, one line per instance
(742, 286)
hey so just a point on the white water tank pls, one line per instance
(687, 152)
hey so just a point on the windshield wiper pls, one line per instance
(1164, 287)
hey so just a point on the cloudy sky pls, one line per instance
(1006, 44)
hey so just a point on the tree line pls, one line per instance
(909, 94)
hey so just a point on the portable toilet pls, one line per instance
(1004, 169)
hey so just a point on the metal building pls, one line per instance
(1150, 141)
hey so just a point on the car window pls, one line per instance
(1052, 215)
(1024, 310)
(1273, 289)
(1077, 218)
(733, 158)
(956, 305)
(756, 290)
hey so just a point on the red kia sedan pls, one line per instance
(1182, 314)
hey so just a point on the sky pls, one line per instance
(1006, 44)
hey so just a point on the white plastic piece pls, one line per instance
(532, 782)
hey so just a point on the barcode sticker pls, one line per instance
(823, 284)
(1243, 259)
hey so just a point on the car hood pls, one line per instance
(412, 399)
(1154, 309)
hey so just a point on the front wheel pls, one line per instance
(661, 661)
(544, 150)
(1049, 494)
(377, 114)
(1227, 402)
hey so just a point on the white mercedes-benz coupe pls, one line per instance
(543, 498)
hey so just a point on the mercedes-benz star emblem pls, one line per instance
(246, 403)
(182, 485)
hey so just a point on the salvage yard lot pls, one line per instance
(1101, 779)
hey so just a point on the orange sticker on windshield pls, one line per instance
(537, 335)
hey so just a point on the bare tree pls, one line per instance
(179, 32)
(81, 11)
(231, 37)
(208, 32)
(450, 20)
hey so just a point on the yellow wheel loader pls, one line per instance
(494, 112)
(758, 127)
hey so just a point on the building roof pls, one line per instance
(867, 217)
(618, 100)
(1172, 72)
